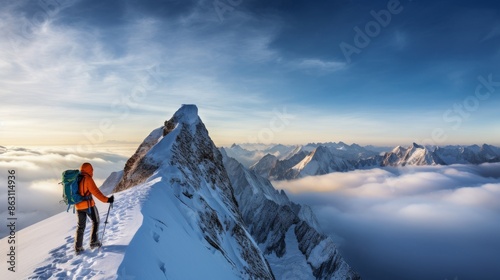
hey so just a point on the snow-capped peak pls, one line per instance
(187, 114)
(413, 155)
(399, 150)
(416, 146)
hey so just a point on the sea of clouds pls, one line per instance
(38, 172)
(434, 222)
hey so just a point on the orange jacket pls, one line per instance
(87, 186)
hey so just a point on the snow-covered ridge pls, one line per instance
(187, 114)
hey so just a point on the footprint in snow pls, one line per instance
(156, 237)
(58, 256)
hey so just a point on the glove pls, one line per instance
(111, 199)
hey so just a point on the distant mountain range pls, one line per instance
(281, 162)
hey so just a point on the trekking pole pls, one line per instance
(105, 223)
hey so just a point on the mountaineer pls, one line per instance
(87, 188)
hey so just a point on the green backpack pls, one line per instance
(71, 194)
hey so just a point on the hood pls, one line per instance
(87, 169)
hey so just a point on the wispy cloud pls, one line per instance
(318, 66)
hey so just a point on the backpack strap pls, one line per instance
(69, 205)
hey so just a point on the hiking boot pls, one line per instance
(79, 250)
(96, 244)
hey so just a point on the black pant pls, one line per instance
(82, 221)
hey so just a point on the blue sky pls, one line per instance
(86, 72)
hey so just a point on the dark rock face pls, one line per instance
(168, 126)
(138, 168)
(309, 238)
(283, 168)
(265, 165)
(199, 158)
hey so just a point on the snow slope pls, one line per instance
(45, 249)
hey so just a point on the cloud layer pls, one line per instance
(38, 172)
(411, 223)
